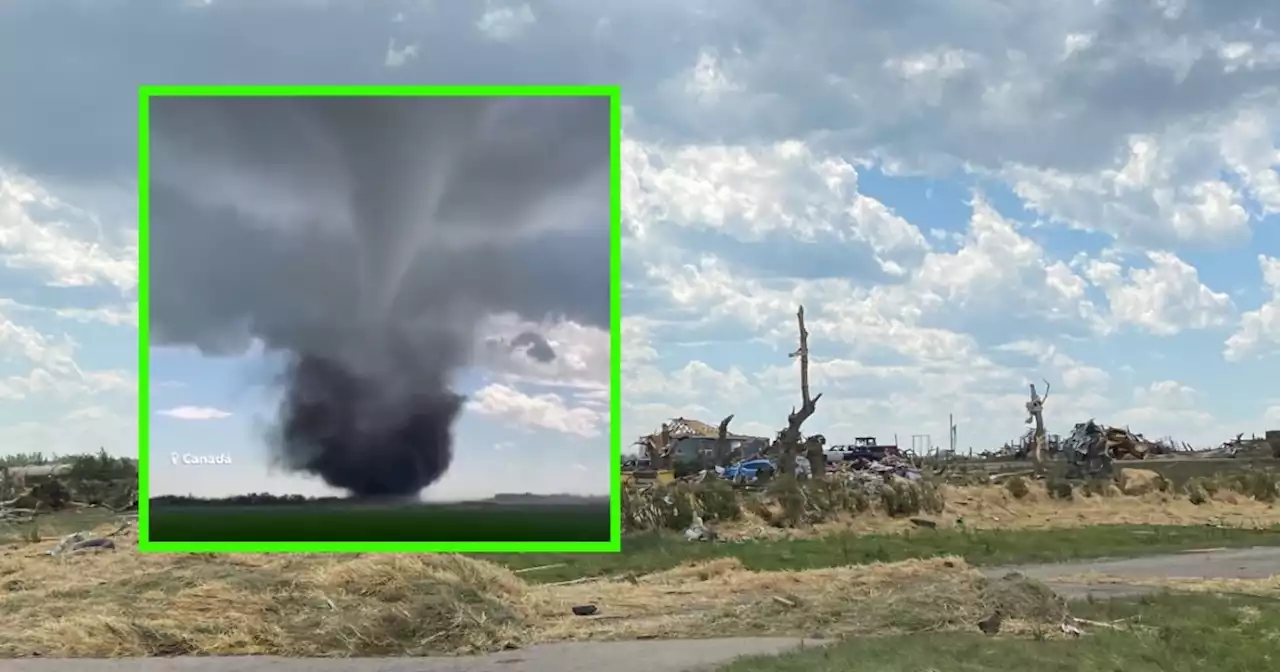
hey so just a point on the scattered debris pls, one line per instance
(66, 543)
(102, 543)
(699, 531)
(991, 624)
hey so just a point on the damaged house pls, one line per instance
(684, 443)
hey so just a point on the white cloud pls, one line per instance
(1259, 328)
(1163, 299)
(398, 56)
(542, 411)
(195, 413)
(53, 244)
(503, 24)
(749, 193)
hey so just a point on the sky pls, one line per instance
(966, 197)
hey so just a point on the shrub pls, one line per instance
(1017, 486)
(1059, 489)
(1100, 487)
(902, 497)
(717, 500)
(1196, 492)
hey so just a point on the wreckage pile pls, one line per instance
(1092, 447)
(84, 481)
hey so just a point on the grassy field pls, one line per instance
(361, 522)
(1165, 633)
(56, 525)
(655, 552)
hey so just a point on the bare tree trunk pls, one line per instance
(815, 452)
(790, 439)
(723, 455)
(1035, 411)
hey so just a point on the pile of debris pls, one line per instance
(1117, 443)
(1240, 447)
(88, 481)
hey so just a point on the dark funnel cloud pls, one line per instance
(365, 239)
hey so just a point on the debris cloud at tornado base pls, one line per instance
(365, 239)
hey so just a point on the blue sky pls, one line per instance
(965, 199)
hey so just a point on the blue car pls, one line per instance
(747, 470)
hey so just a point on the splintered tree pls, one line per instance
(790, 438)
(1035, 413)
(722, 453)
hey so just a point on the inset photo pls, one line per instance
(378, 319)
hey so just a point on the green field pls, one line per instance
(476, 522)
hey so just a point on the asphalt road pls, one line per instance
(682, 655)
(1243, 563)
(643, 656)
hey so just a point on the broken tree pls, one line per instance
(724, 456)
(790, 438)
(1035, 413)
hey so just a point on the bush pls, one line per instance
(789, 493)
(1261, 485)
(717, 500)
(1059, 489)
(1196, 492)
(1017, 486)
(901, 497)
(1100, 487)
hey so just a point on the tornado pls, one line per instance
(363, 242)
(388, 450)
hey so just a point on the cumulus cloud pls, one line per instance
(541, 411)
(195, 413)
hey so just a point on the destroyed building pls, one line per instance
(685, 441)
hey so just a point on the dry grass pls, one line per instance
(121, 603)
(993, 507)
(721, 597)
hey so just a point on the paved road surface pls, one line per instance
(643, 656)
(683, 655)
(1243, 563)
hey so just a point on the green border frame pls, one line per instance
(614, 544)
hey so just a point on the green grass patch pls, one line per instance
(1162, 633)
(362, 522)
(655, 552)
(50, 525)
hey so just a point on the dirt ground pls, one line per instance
(979, 507)
(122, 603)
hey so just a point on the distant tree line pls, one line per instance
(100, 466)
(249, 499)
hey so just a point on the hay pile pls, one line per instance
(121, 603)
